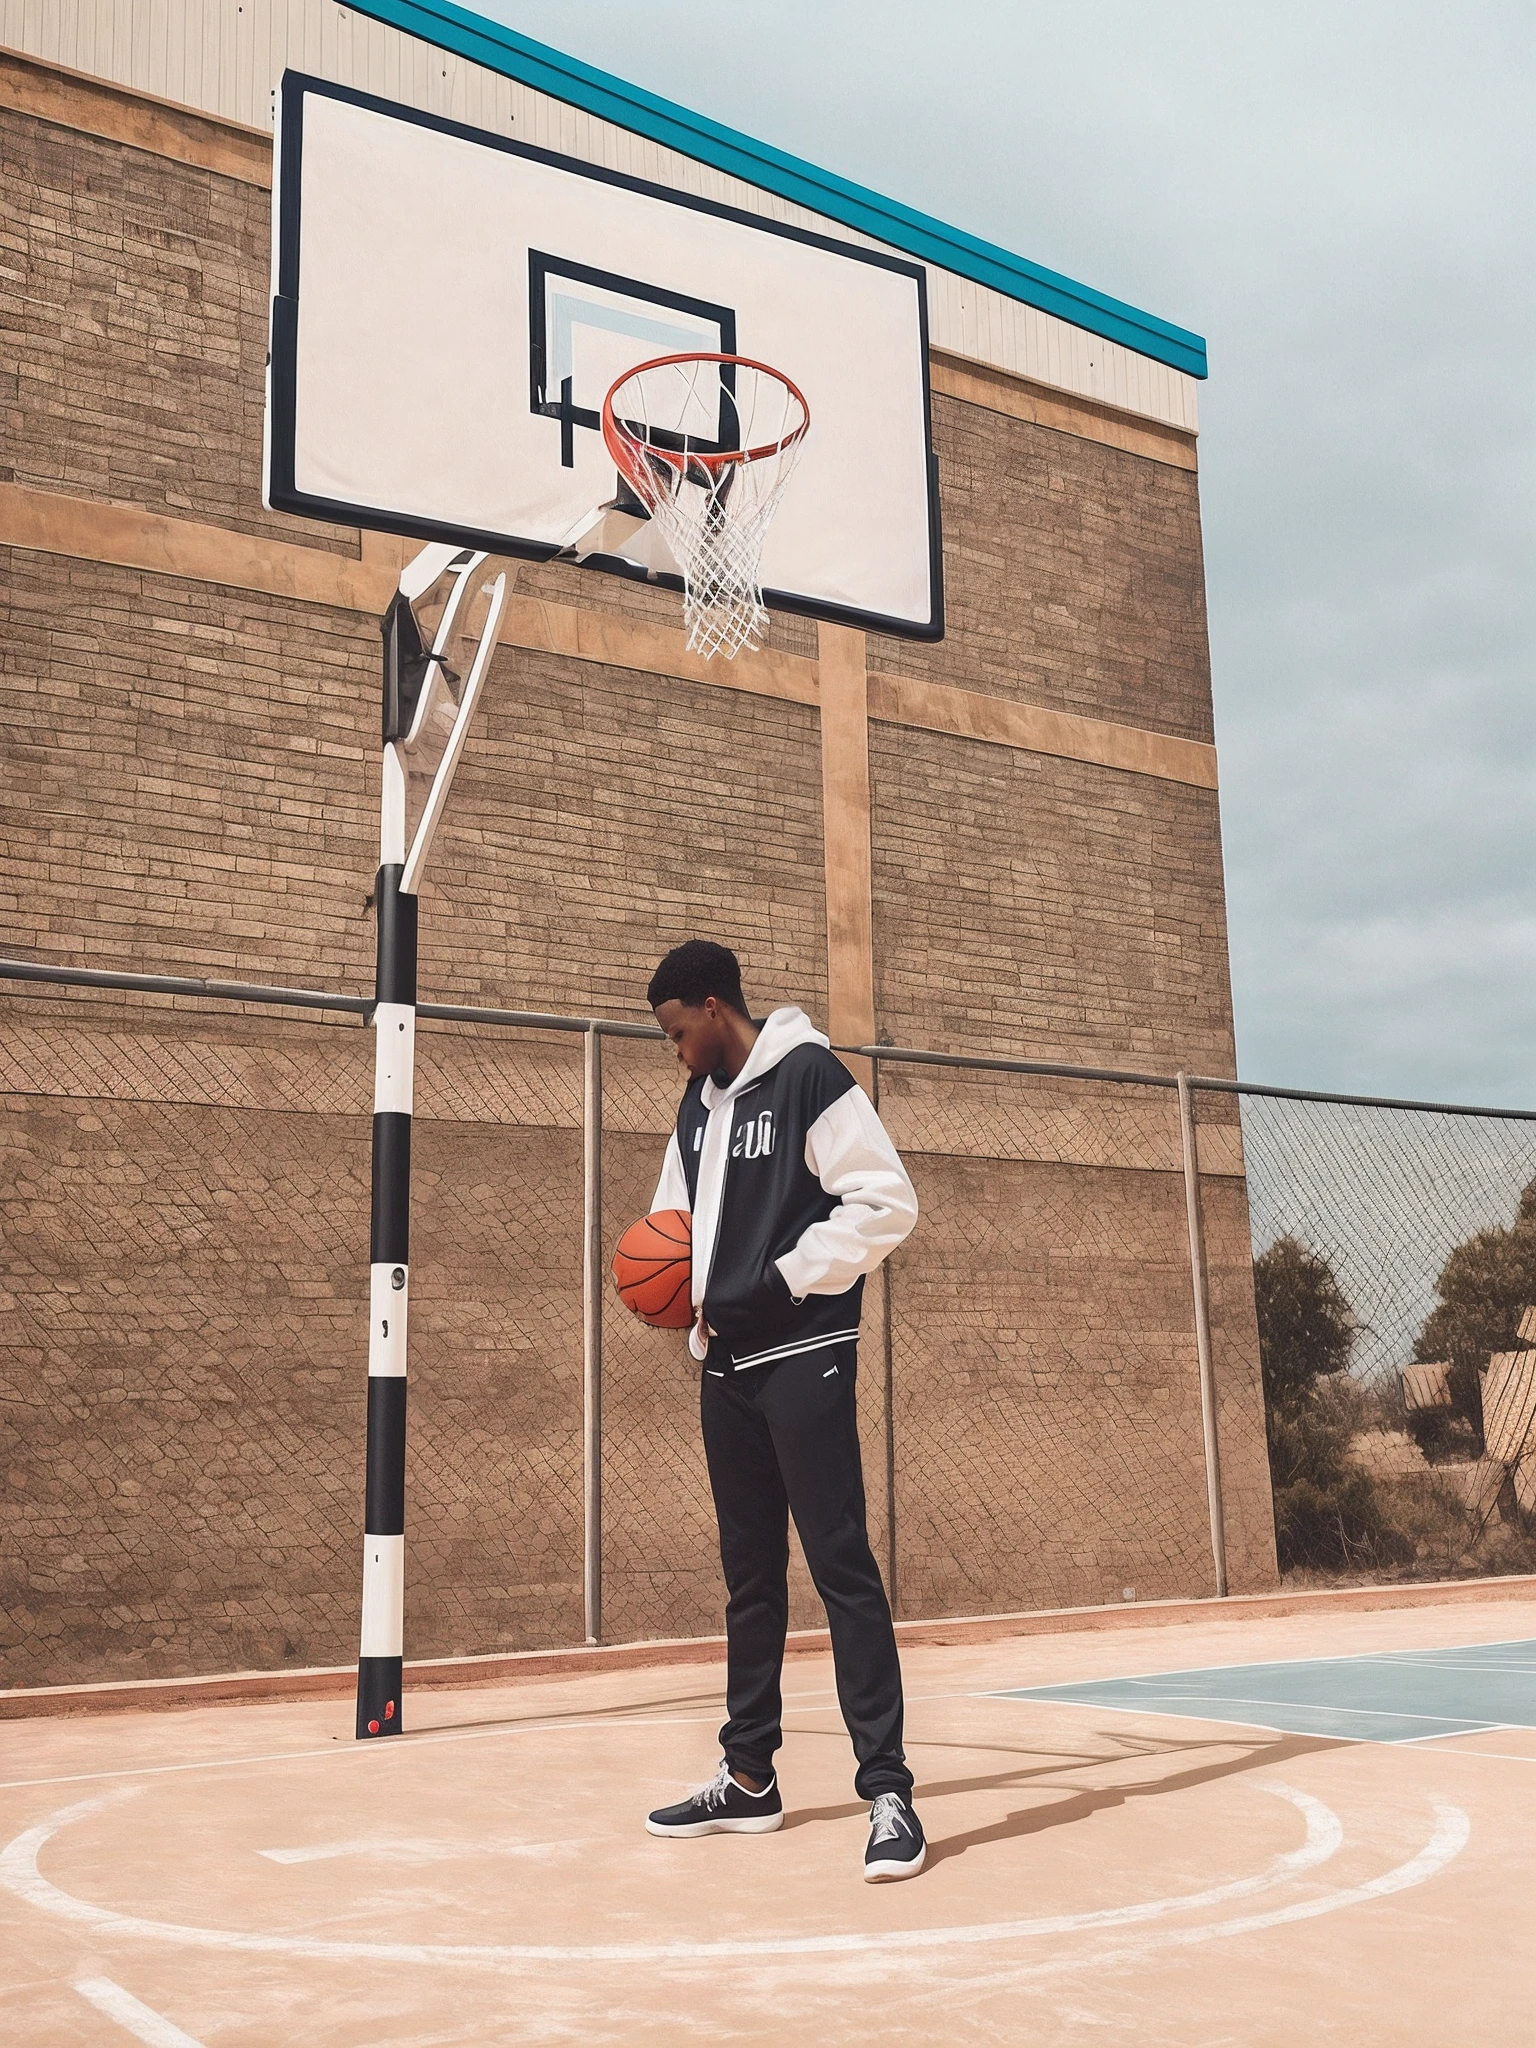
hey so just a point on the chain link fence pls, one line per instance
(1075, 1378)
(1395, 1283)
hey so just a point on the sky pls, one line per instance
(1340, 199)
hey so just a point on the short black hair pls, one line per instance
(694, 970)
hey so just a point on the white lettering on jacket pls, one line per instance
(754, 1138)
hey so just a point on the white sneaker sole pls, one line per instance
(751, 1824)
(889, 1872)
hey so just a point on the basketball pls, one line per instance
(653, 1267)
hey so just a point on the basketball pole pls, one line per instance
(382, 1644)
(389, 1252)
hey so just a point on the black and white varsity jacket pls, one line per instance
(796, 1193)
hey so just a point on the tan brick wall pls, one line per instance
(600, 816)
(181, 1374)
(193, 789)
(592, 590)
(134, 308)
(1046, 1381)
(183, 1343)
(189, 771)
(1046, 908)
(1047, 1417)
(1073, 574)
(192, 785)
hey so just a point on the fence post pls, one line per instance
(888, 1362)
(1189, 1145)
(890, 1443)
(592, 1334)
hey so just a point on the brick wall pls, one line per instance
(1073, 576)
(192, 785)
(135, 315)
(1028, 904)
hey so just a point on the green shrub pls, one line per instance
(1328, 1514)
(1485, 1285)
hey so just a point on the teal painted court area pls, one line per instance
(1395, 1696)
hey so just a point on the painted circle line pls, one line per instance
(20, 1874)
(1452, 1832)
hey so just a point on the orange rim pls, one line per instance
(632, 454)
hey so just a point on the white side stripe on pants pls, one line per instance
(794, 1350)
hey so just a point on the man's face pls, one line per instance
(698, 1032)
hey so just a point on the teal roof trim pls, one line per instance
(549, 71)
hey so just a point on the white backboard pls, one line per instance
(450, 308)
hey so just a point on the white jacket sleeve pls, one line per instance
(672, 1188)
(849, 1151)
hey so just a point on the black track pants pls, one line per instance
(781, 1439)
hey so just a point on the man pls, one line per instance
(796, 1194)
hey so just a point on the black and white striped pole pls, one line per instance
(389, 1273)
(432, 681)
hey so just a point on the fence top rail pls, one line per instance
(1212, 1086)
(524, 1020)
(278, 997)
(901, 1055)
(275, 996)
(536, 1020)
(183, 985)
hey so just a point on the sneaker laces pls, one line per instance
(887, 1817)
(713, 1794)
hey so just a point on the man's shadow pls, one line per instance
(1079, 1805)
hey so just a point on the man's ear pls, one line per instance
(711, 1007)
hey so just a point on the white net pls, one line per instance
(708, 444)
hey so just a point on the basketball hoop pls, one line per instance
(707, 443)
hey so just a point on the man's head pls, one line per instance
(696, 994)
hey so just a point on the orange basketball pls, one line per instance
(653, 1266)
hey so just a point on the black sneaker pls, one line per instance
(896, 1845)
(722, 1807)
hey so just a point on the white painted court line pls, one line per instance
(597, 1719)
(1224, 1699)
(1523, 1645)
(1147, 1711)
(405, 1852)
(1503, 1756)
(1454, 1735)
(1428, 1660)
(1452, 1832)
(321, 1853)
(431, 1738)
(140, 2020)
(1499, 1756)
(400, 1745)
(1418, 1742)
(20, 1874)
(1286, 1663)
(1472, 1670)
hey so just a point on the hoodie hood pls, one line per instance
(782, 1031)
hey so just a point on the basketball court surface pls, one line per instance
(1224, 1832)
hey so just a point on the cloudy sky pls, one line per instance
(1340, 198)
